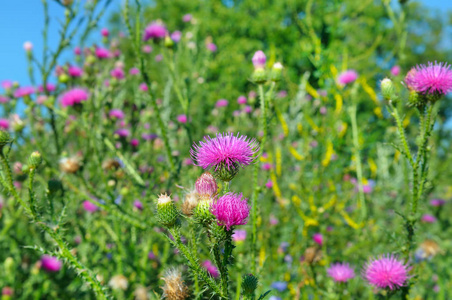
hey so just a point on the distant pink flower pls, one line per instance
(347, 77)
(134, 71)
(50, 88)
(230, 210)
(73, 97)
(176, 36)
(269, 184)
(259, 59)
(138, 204)
(187, 18)
(386, 272)
(341, 272)
(155, 30)
(211, 47)
(4, 124)
(210, 268)
(267, 166)
(51, 264)
(224, 150)
(147, 49)
(3, 99)
(7, 84)
(318, 238)
(24, 91)
(428, 218)
(222, 103)
(122, 132)
(182, 119)
(134, 142)
(102, 53)
(104, 32)
(116, 113)
(75, 71)
(241, 100)
(323, 110)
(77, 51)
(158, 58)
(89, 206)
(239, 235)
(281, 94)
(144, 87)
(248, 109)
(437, 202)
(28, 46)
(273, 220)
(395, 70)
(431, 79)
(117, 73)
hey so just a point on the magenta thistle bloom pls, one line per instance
(155, 30)
(210, 268)
(89, 206)
(431, 79)
(143, 87)
(182, 119)
(50, 263)
(318, 238)
(341, 272)
(24, 91)
(230, 210)
(211, 47)
(122, 132)
(395, 70)
(102, 53)
(437, 202)
(75, 71)
(241, 100)
(259, 59)
(239, 235)
(134, 71)
(4, 124)
(428, 218)
(7, 84)
(3, 99)
(347, 77)
(116, 113)
(77, 51)
(104, 32)
(117, 73)
(222, 103)
(73, 97)
(134, 142)
(50, 88)
(206, 185)
(187, 18)
(386, 272)
(224, 150)
(176, 36)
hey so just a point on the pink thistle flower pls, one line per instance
(269, 184)
(138, 204)
(134, 142)
(24, 91)
(206, 185)
(116, 113)
(122, 132)
(102, 53)
(28, 46)
(281, 94)
(75, 71)
(437, 202)
(225, 150)
(395, 70)
(3, 99)
(341, 272)
(428, 218)
(158, 58)
(210, 268)
(241, 100)
(222, 103)
(176, 36)
(104, 32)
(187, 18)
(239, 235)
(4, 124)
(134, 71)
(231, 210)
(117, 73)
(143, 87)
(7, 84)
(267, 166)
(182, 119)
(77, 51)
(386, 272)
(211, 47)
(318, 238)
(50, 263)
(248, 109)
(73, 97)
(155, 30)
(347, 77)
(259, 59)
(50, 88)
(431, 79)
(89, 206)
(147, 49)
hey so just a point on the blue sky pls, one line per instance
(22, 20)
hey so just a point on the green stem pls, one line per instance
(222, 268)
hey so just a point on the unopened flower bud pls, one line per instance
(276, 72)
(415, 99)
(190, 202)
(35, 160)
(201, 213)
(249, 284)
(387, 89)
(259, 59)
(28, 46)
(167, 212)
(259, 76)
(169, 43)
(206, 185)
(63, 78)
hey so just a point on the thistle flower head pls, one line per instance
(190, 202)
(206, 185)
(341, 272)
(230, 210)
(75, 71)
(50, 263)
(433, 79)
(259, 59)
(155, 30)
(102, 53)
(167, 212)
(224, 153)
(23, 91)
(386, 272)
(73, 97)
(210, 268)
(116, 113)
(347, 77)
(174, 288)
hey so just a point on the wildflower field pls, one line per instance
(239, 149)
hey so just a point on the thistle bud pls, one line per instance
(167, 212)
(225, 173)
(259, 59)
(206, 186)
(63, 78)
(35, 160)
(276, 72)
(190, 203)
(249, 284)
(259, 76)
(5, 138)
(387, 89)
(415, 99)
(201, 213)
(169, 43)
